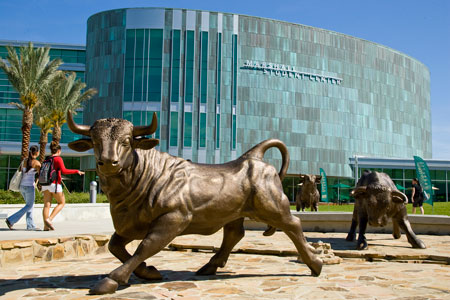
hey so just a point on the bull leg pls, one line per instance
(232, 234)
(362, 241)
(117, 247)
(412, 238)
(292, 227)
(352, 233)
(162, 231)
(396, 233)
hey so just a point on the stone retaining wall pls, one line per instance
(31, 251)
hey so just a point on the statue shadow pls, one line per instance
(83, 282)
(342, 244)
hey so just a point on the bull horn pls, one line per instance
(146, 130)
(76, 128)
(359, 189)
(400, 196)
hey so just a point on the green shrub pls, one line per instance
(9, 197)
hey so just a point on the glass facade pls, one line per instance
(222, 83)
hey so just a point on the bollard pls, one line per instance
(93, 192)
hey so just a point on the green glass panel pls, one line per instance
(155, 72)
(139, 65)
(397, 173)
(410, 174)
(173, 129)
(235, 67)
(189, 67)
(204, 68)
(129, 65)
(219, 66)
(217, 131)
(137, 118)
(234, 133)
(175, 83)
(202, 130)
(128, 115)
(187, 137)
(437, 175)
(145, 65)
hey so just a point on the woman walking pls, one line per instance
(417, 196)
(30, 168)
(55, 190)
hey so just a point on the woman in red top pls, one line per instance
(55, 189)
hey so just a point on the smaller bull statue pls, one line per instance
(155, 197)
(308, 195)
(376, 200)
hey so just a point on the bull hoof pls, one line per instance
(207, 269)
(419, 245)
(104, 286)
(269, 231)
(316, 267)
(147, 273)
(350, 237)
(362, 246)
(397, 235)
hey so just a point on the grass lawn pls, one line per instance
(440, 208)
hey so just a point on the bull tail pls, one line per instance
(259, 150)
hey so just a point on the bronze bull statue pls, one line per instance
(308, 195)
(156, 197)
(376, 200)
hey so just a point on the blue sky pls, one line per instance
(420, 29)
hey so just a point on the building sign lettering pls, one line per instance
(288, 71)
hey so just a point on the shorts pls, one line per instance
(51, 188)
(418, 203)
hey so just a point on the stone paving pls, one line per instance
(251, 276)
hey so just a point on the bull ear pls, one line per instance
(145, 143)
(81, 145)
(399, 197)
(318, 179)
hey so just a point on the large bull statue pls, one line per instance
(308, 195)
(377, 199)
(156, 197)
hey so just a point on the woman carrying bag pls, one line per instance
(30, 168)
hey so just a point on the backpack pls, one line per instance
(48, 173)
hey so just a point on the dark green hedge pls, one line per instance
(9, 197)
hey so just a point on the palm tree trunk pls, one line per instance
(43, 140)
(27, 122)
(56, 134)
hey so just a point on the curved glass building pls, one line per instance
(221, 83)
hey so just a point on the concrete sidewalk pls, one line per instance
(62, 229)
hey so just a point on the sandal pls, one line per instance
(9, 224)
(48, 224)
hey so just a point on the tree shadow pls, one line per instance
(83, 282)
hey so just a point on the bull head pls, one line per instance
(113, 140)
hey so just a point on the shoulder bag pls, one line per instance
(14, 184)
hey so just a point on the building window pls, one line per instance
(234, 92)
(188, 87)
(143, 65)
(175, 87)
(203, 89)
(218, 87)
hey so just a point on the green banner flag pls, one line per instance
(323, 186)
(423, 174)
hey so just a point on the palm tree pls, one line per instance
(65, 94)
(29, 74)
(42, 120)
